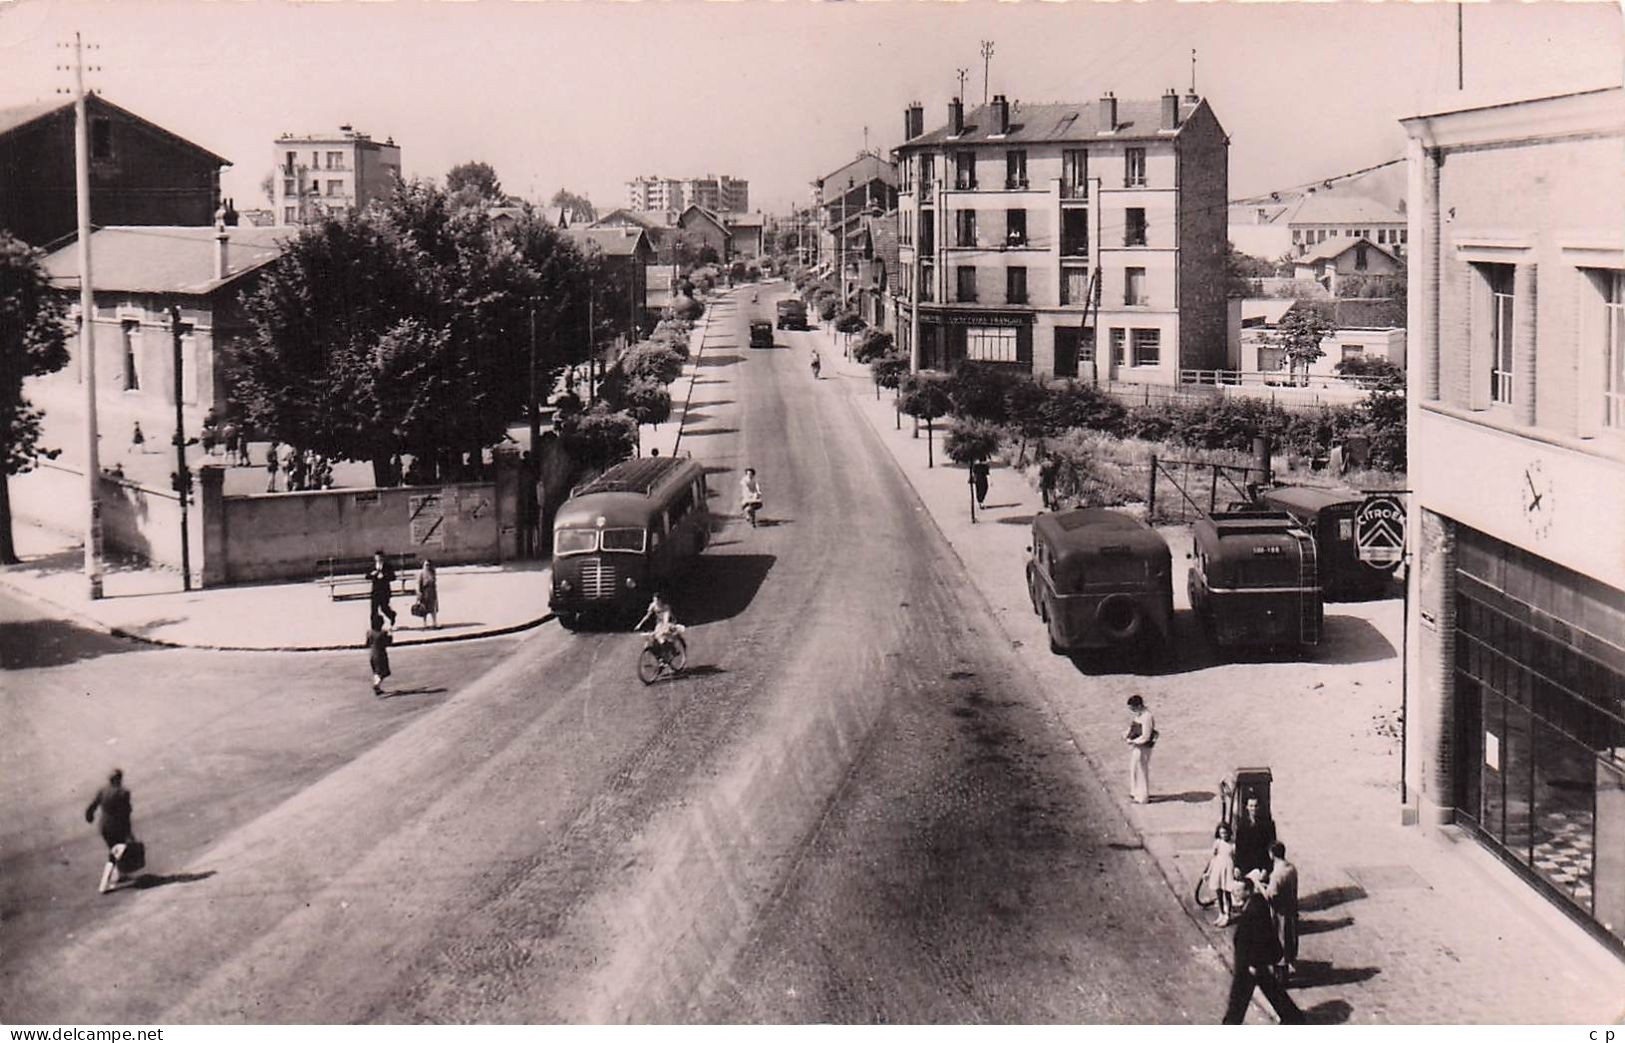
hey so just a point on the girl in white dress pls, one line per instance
(1221, 871)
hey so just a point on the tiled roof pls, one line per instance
(649, 219)
(167, 258)
(1331, 208)
(1059, 121)
(21, 115)
(861, 171)
(1337, 247)
(615, 242)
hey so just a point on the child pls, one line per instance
(1221, 871)
(666, 626)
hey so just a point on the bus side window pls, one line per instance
(684, 504)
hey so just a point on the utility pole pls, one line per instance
(1193, 72)
(183, 477)
(1458, 48)
(535, 420)
(987, 61)
(87, 326)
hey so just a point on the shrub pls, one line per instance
(687, 308)
(849, 322)
(1075, 405)
(871, 344)
(651, 361)
(970, 440)
(1024, 403)
(979, 392)
(1152, 423)
(567, 404)
(647, 401)
(599, 437)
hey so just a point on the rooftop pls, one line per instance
(1061, 121)
(18, 116)
(1332, 208)
(167, 258)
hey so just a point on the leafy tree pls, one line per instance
(827, 307)
(580, 208)
(970, 440)
(599, 437)
(1024, 404)
(651, 361)
(687, 308)
(925, 397)
(1382, 421)
(849, 322)
(646, 400)
(1074, 405)
(1240, 271)
(1298, 335)
(32, 344)
(888, 370)
(1363, 365)
(871, 344)
(979, 392)
(474, 183)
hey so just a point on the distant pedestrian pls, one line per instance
(1281, 890)
(817, 364)
(138, 440)
(382, 578)
(113, 801)
(378, 642)
(1141, 736)
(978, 478)
(1048, 471)
(1221, 872)
(1256, 952)
(1255, 833)
(244, 434)
(228, 435)
(427, 605)
(272, 465)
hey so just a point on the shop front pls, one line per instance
(1539, 692)
(1001, 338)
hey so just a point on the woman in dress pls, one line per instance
(378, 641)
(429, 594)
(113, 801)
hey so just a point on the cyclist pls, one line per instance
(817, 363)
(666, 626)
(750, 495)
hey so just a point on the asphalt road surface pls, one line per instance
(856, 807)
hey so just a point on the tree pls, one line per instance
(646, 400)
(599, 437)
(579, 208)
(1024, 404)
(32, 344)
(1362, 365)
(925, 398)
(651, 361)
(970, 440)
(474, 183)
(887, 371)
(1074, 405)
(1298, 335)
(871, 344)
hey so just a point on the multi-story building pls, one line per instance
(718, 193)
(655, 193)
(1025, 230)
(846, 198)
(140, 173)
(1320, 217)
(321, 174)
(1515, 696)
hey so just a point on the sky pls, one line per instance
(584, 94)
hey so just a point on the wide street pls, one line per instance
(855, 808)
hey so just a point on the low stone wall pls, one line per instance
(136, 519)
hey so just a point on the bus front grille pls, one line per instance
(597, 579)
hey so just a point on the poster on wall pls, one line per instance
(428, 520)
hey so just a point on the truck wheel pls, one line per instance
(569, 621)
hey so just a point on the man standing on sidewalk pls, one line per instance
(382, 578)
(1281, 889)
(1256, 952)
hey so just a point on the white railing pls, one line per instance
(1280, 378)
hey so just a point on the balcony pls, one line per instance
(1015, 183)
(1015, 239)
(1075, 248)
(1136, 300)
(1076, 193)
(965, 184)
(1016, 297)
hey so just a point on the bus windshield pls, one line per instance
(574, 541)
(624, 540)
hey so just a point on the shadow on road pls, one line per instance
(1332, 1012)
(709, 359)
(396, 693)
(1190, 796)
(1350, 639)
(147, 881)
(711, 431)
(722, 586)
(709, 404)
(1324, 926)
(1330, 898)
(34, 643)
(1312, 973)
(1018, 519)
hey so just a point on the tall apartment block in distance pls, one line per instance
(717, 193)
(1012, 218)
(321, 174)
(654, 193)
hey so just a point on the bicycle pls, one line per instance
(662, 657)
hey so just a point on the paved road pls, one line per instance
(856, 808)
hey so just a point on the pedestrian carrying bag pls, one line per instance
(419, 609)
(132, 858)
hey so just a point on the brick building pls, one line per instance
(1008, 215)
(140, 173)
(1516, 681)
(321, 174)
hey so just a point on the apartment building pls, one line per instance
(1322, 218)
(1027, 233)
(321, 174)
(655, 193)
(847, 198)
(1516, 680)
(717, 193)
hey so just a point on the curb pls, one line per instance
(92, 623)
(704, 329)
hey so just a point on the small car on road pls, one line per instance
(761, 334)
(792, 314)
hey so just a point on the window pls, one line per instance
(1499, 279)
(966, 276)
(1075, 233)
(288, 188)
(335, 161)
(965, 229)
(1361, 261)
(1353, 351)
(928, 283)
(1147, 347)
(1134, 226)
(928, 232)
(927, 170)
(991, 343)
(101, 138)
(130, 338)
(1382, 237)
(574, 541)
(1015, 285)
(964, 170)
(1075, 286)
(1119, 338)
(289, 162)
(1015, 169)
(315, 159)
(290, 215)
(1134, 288)
(1134, 168)
(1075, 173)
(335, 188)
(1614, 349)
(1404, 235)
(1015, 227)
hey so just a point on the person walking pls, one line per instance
(138, 440)
(750, 495)
(378, 641)
(1141, 736)
(1048, 470)
(1255, 832)
(1256, 952)
(228, 435)
(382, 578)
(978, 479)
(428, 603)
(1281, 891)
(113, 801)
(272, 465)
(817, 364)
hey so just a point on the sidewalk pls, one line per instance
(1399, 925)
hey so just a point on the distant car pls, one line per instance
(792, 314)
(761, 334)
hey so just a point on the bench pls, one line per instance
(346, 578)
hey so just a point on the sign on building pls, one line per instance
(1379, 531)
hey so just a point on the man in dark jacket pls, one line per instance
(1256, 952)
(382, 575)
(113, 801)
(1255, 832)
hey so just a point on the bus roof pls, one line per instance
(1308, 497)
(633, 476)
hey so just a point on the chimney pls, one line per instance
(1108, 111)
(916, 118)
(1170, 110)
(222, 242)
(1001, 113)
(956, 117)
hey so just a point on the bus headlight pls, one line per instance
(564, 585)
(631, 584)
